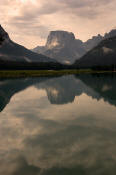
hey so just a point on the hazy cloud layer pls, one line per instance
(29, 21)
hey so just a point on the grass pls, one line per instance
(40, 73)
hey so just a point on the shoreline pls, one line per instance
(40, 73)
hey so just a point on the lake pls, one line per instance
(58, 125)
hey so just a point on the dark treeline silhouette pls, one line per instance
(13, 65)
(107, 68)
(97, 68)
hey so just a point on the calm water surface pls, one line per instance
(58, 126)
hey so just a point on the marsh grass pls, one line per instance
(40, 73)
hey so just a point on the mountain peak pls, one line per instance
(59, 38)
(3, 35)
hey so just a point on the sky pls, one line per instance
(29, 22)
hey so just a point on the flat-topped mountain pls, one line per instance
(11, 51)
(59, 39)
(63, 46)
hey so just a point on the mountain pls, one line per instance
(95, 40)
(63, 46)
(103, 55)
(11, 51)
(4, 38)
(39, 49)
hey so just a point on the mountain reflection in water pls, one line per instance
(60, 125)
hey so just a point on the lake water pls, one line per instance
(58, 125)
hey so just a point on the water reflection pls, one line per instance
(62, 90)
(64, 125)
(9, 87)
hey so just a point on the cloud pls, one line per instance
(64, 6)
(87, 17)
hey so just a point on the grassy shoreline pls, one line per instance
(40, 73)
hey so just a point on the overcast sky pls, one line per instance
(29, 21)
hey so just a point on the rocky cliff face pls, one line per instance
(59, 39)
